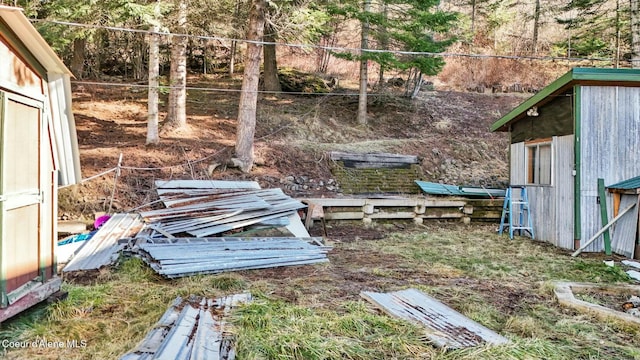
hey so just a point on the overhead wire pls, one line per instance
(323, 47)
(212, 89)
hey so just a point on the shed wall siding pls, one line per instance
(564, 181)
(610, 148)
(551, 206)
(16, 75)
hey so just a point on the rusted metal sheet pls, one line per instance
(103, 248)
(444, 326)
(191, 329)
(180, 257)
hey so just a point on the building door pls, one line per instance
(20, 195)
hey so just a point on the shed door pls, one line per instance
(20, 194)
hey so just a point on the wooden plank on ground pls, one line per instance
(351, 215)
(374, 157)
(443, 325)
(206, 184)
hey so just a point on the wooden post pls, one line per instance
(604, 216)
(616, 203)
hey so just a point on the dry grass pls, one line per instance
(314, 312)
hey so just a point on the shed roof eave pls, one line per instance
(576, 76)
(559, 85)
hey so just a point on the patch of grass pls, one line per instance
(271, 329)
(315, 312)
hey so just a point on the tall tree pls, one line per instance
(412, 26)
(297, 20)
(364, 62)
(249, 96)
(154, 71)
(271, 80)
(635, 33)
(536, 26)
(596, 26)
(177, 110)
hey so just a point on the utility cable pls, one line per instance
(322, 47)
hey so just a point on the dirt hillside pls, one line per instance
(447, 130)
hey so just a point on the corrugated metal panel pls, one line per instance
(444, 189)
(517, 173)
(184, 257)
(191, 329)
(444, 326)
(543, 212)
(202, 210)
(438, 189)
(564, 180)
(551, 206)
(633, 183)
(610, 128)
(623, 233)
(103, 248)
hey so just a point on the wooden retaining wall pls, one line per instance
(417, 209)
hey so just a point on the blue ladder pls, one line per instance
(518, 206)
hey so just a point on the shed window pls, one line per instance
(539, 164)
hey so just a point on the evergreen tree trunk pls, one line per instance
(473, 20)
(234, 44)
(249, 95)
(536, 27)
(177, 109)
(271, 81)
(364, 44)
(232, 57)
(635, 34)
(77, 61)
(154, 71)
(384, 44)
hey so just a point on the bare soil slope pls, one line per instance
(447, 130)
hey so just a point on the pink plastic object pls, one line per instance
(100, 221)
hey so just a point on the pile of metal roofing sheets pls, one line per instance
(432, 188)
(191, 329)
(103, 248)
(204, 208)
(180, 257)
(444, 326)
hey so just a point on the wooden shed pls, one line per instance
(38, 152)
(582, 127)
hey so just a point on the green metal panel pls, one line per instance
(602, 196)
(629, 184)
(4, 300)
(577, 230)
(576, 76)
